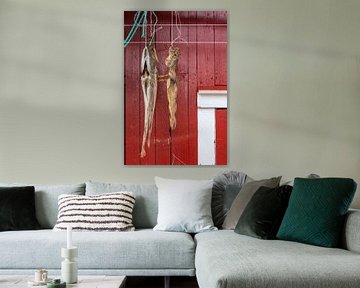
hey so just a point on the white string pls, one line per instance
(178, 28)
(156, 21)
(150, 25)
(172, 29)
(205, 24)
(177, 158)
(186, 42)
(145, 29)
(154, 28)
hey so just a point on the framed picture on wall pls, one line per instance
(175, 69)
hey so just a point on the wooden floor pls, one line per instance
(158, 282)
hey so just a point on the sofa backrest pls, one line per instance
(146, 203)
(46, 200)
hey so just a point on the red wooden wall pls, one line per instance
(202, 64)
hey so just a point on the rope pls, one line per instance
(172, 29)
(144, 26)
(178, 28)
(140, 18)
(154, 29)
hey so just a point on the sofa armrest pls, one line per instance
(351, 234)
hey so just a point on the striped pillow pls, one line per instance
(105, 212)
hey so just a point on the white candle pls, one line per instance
(69, 237)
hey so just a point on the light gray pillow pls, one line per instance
(243, 198)
(146, 204)
(46, 200)
(184, 205)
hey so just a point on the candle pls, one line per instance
(69, 237)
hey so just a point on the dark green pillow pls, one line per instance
(17, 208)
(263, 214)
(316, 211)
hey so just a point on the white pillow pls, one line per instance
(104, 212)
(184, 205)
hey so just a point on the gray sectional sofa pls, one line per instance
(221, 259)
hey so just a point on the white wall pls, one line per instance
(294, 73)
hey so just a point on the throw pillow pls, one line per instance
(146, 205)
(17, 209)
(263, 215)
(243, 198)
(184, 205)
(105, 212)
(317, 209)
(225, 189)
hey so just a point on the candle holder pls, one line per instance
(69, 271)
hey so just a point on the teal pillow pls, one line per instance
(316, 211)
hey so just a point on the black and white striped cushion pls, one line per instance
(105, 212)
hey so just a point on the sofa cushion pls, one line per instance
(46, 200)
(17, 208)
(225, 189)
(317, 209)
(105, 212)
(146, 205)
(142, 249)
(263, 215)
(184, 205)
(350, 239)
(225, 259)
(243, 198)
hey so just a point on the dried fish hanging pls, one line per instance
(171, 85)
(149, 80)
(171, 62)
(148, 73)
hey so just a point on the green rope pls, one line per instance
(144, 25)
(140, 19)
(133, 28)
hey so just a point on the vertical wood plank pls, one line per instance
(220, 48)
(162, 115)
(180, 136)
(206, 50)
(193, 87)
(131, 94)
(221, 136)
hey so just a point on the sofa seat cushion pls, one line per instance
(142, 249)
(225, 259)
